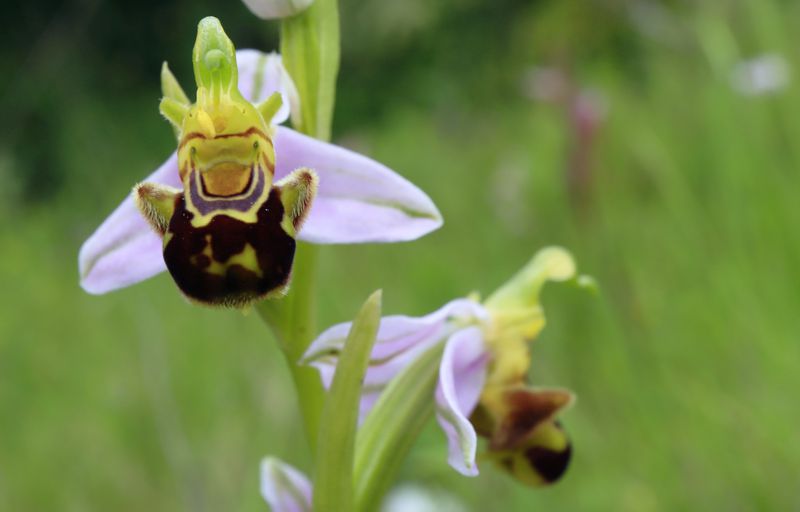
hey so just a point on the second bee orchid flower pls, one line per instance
(483, 385)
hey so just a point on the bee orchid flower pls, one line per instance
(483, 375)
(224, 210)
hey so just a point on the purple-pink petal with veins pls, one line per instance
(462, 375)
(400, 340)
(124, 249)
(359, 200)
(260, 75)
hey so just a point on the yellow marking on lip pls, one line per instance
(247, 258)
(249, 216)
(214, 267)
(226, 179)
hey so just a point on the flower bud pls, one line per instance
(270, 9)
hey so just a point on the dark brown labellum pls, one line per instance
(229, 262)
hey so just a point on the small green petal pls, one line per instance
(174, 111)
(171, 88)
(269, 107)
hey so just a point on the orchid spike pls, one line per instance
(357, 200)
(482, 383)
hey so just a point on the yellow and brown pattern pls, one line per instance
(228, 262)
(524, 436)
(229, 232)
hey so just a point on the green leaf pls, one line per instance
(310, 52)
(333, 478)
(391, 428)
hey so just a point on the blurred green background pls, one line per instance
(639, 134)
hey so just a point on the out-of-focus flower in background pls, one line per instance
(585, 109)
(765, 74)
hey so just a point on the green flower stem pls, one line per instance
(310, 47)
(392, 427)
(293, 322)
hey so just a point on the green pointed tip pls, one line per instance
(549, 264)
(270, 106)
(588, 283)
(170, 87)
(210, 36)
(214, 58)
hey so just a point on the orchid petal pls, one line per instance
(261, 75)
(462, 376)
(283, 487)
(124, 249)
(359, 200)
(400, 340)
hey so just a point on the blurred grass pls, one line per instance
(684, 365)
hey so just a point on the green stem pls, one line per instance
(310, 48)
(293, 322)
